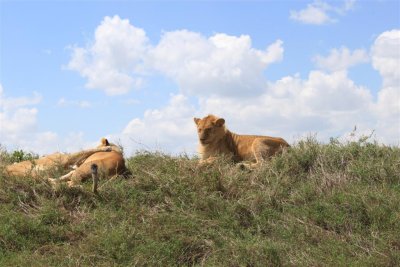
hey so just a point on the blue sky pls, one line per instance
(138, 72)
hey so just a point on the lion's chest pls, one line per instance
(214, 151)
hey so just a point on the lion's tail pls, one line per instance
(95, 176)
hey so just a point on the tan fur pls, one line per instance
(108, 158)
(216, 140)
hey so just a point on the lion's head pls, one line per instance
(104, 143)
(210, 129)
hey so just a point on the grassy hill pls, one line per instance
(315, 205)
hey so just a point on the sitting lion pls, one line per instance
(108, 158)
(215, 140)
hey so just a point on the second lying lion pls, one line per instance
(109, 163)
(216, 140)
(107, 156)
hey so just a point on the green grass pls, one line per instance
(315, 205)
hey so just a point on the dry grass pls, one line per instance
(316, 204)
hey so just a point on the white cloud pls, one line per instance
(385, 54)
(121, 55)
(169, 129)
(311, 15)
(320, 12)
(327, 103)
(62, 102)
(9, 103)
(341, 59)
(293, 105)
(388, 114)
(333, 92)
(219, 70)
(15, 116)
(19, 128)
(221, 64)
(49, 142)
(113, 62)
(386, 57)
(17, 121)
(330, 104)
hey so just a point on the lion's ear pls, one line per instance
(104, 142)
(220, 122)
(196, 120)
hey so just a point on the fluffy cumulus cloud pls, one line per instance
(19, 127)
(223, 75)
(216, 72)
(48, 142)
(221, 64)
(320, 12)
(328, 103)
(386, 59)
(114, 61)
(313, 14)
(169, 129)
(295, 105)
(120, 56)
(341, 59)
(17, 116)
(18, 123)
(292, 107)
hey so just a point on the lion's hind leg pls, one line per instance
(261, 151)
(82, 173)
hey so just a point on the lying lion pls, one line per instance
(216, 140)
(108, 158)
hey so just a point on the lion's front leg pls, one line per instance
(64, 178)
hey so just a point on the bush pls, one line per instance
(15, 156)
